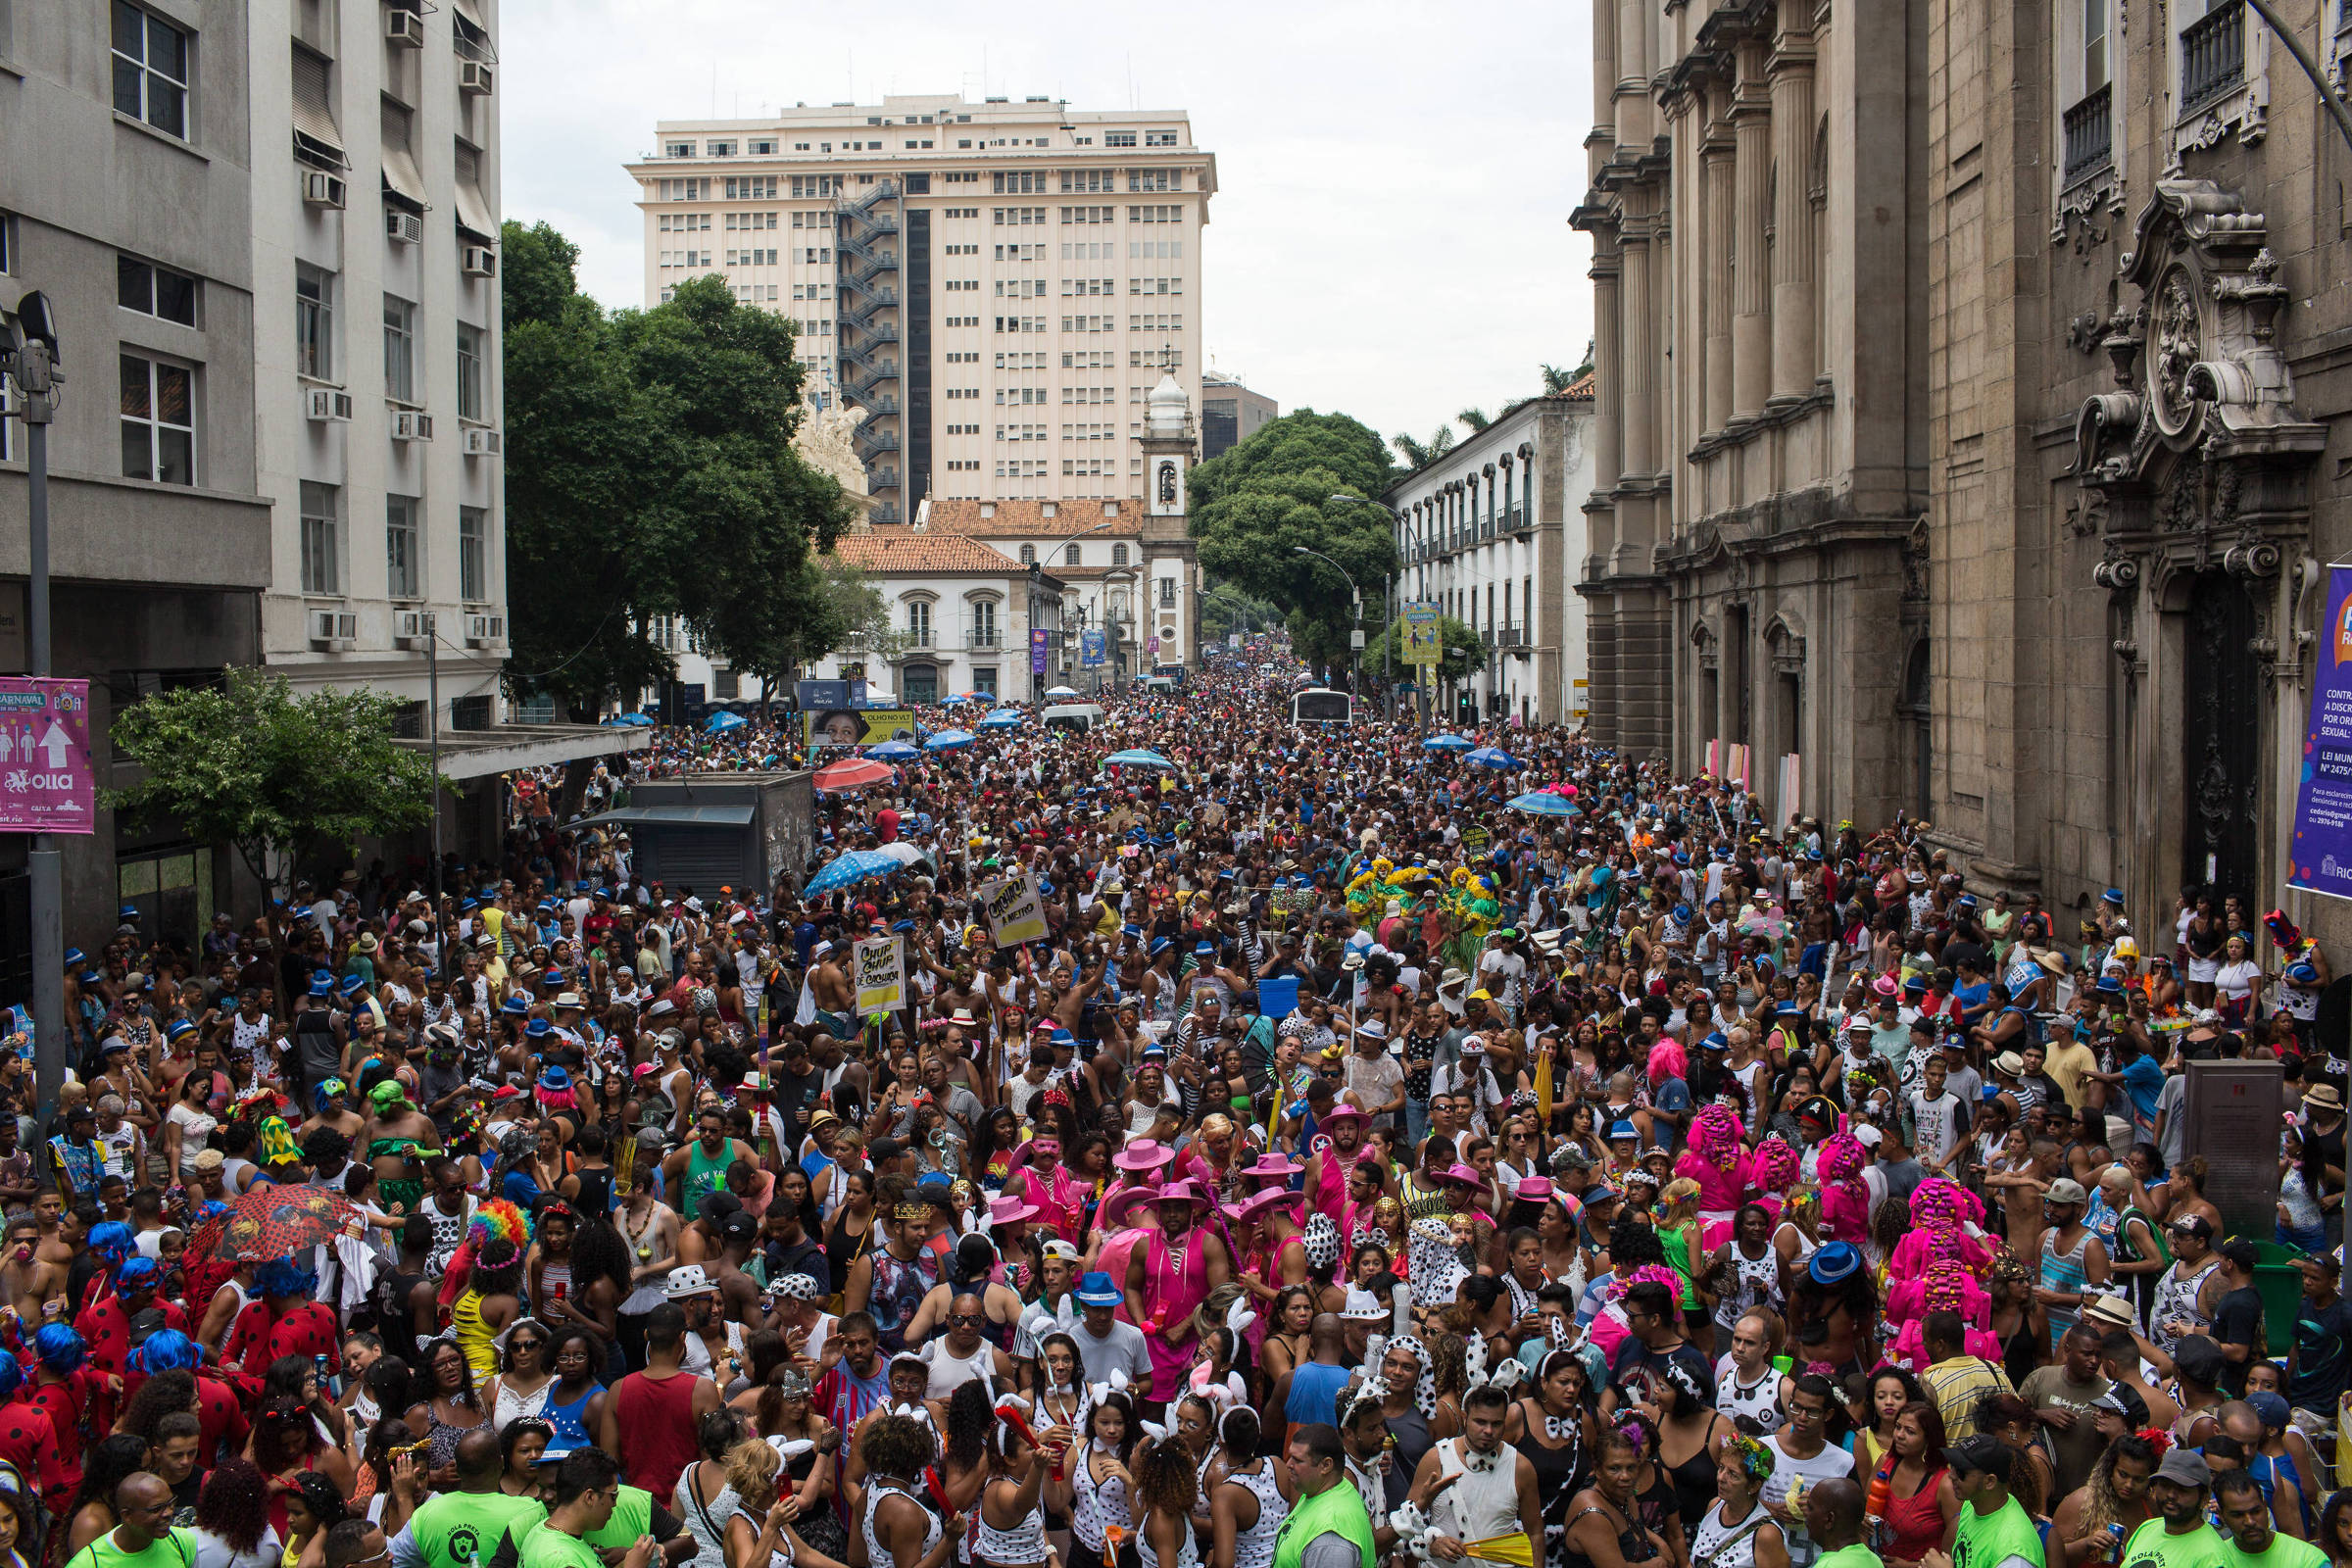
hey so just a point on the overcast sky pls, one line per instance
(1388, 237)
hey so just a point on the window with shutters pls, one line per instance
(402, 180)
(317, 137)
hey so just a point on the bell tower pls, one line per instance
(1170, 600)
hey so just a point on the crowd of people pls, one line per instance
(1388, 1151)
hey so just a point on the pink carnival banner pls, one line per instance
(47, 783)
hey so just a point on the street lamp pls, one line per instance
(1353, 590)
(1387, 604)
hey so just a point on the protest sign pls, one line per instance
(1016, 912)
(881, 974)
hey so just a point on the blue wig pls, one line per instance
(12, 1377)
(60, 1348)
(282, 1276)
(136, 1271)
(166, 1350)
(110, 1240)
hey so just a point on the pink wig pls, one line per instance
(1714, 1131)
(1667, 1061)
(1777, 1166)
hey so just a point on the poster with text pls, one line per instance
(1422, 643)
(2319, 860)
(881, 976)
(1093, 650)
(47, 783)
(1016, 912)
(857, 727)
(1041, 643)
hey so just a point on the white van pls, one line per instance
(1080, 717)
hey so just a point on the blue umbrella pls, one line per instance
(721, 722)
(1002, 718)
(1445, 743)
(893, 752)
(1492, 756)
(1140, 759)
(960, 697)
(946, 740)
(1543, 802)
(849, 869)
(632, 720)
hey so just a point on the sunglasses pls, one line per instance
(970, 1320)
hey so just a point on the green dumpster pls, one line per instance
(2281, 1283)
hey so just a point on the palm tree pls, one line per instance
(1421, 453)
(1556, 379)
(1475, 419)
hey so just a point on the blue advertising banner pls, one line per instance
(1092, 648)
(1041, 641)
(2320, 858)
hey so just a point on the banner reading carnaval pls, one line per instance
(2320, 858)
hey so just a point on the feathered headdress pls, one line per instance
(495, 1237)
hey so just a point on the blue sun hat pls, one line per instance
(1097, 1290)
(1835, 1263)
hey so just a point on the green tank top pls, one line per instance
(458, 1529)
(1339, 1510)
(1678, 1258)
(632, 1517)
(1988, 1539)
(705, 1176)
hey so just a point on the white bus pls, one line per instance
(1319, 704)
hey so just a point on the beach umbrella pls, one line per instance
(1062, 690)
(901, 852)
(1002, 718)
(1445, 743)
(1544, 804)
(1139, 759)
(849, 869)
(893, 752)
(854, 775)
(1492, 756)
(947, 740)
(960, 697)
(721, 722)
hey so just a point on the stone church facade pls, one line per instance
(2084, 411)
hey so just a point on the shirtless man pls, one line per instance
(53, 1254)
(20, 1273)
(2021, 1195)
(333, 1096)
(397, 1137)
(829, 988)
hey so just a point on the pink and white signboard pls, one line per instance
(47, 784)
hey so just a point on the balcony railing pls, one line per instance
(2090, 134)
(1510, 636)
(984, 641)
(918, 637)
(2213, 55)
(1516, 520)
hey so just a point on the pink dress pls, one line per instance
(1062, 1198)
(1720, 1192)
(1173, 1286)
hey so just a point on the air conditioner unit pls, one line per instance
(335, 630)
(486, 632)
(481, 442)
(409, 628)
(326, 404)
(405, 227)
(409, 425)
(478, 260)
(473, 78)
(321, 189)
(403, 27)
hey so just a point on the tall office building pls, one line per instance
(1000, 285)
(1230, 413)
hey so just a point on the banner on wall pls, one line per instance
(857, 727)
(2319, 858)
(1094, 649)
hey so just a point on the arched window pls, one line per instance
(1070, 557)
(1119, 554)
(1028, 555)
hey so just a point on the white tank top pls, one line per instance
(1253, 1547)
(1759, 1401)
(874, 1551)
(1187, 1557)
(1486, 1500)
(950, 1373)
(1093, 1508)
(1024, 1543)
(1727, 1546)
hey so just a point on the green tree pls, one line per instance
(649, 471)
(1460, 653)
(1421, 453)
(283, 778)
(1556, 379)
(1474, 420)
(1256, 505)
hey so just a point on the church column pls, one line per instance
(1716, 184)
(1793, 260)
(1752, 271)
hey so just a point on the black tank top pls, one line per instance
(1695, 1482)
(844, 1247)
(1633, 1542)
(596, 1191)
(1557, 1469)
(395, 1323)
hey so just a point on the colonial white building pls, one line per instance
(1482, 531)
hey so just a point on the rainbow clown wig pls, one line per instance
(495, 1242)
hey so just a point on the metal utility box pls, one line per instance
(741, 830)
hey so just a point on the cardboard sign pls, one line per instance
(1016, 912)
(881, 975)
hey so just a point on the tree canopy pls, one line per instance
(283, 778)
(1256, 505)
(649, 471)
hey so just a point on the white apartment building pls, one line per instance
(1481, 532)
(997, 284)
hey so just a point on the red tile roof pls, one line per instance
(1020, 519)
(897, 548)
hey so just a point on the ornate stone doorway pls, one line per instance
(2221, 735)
